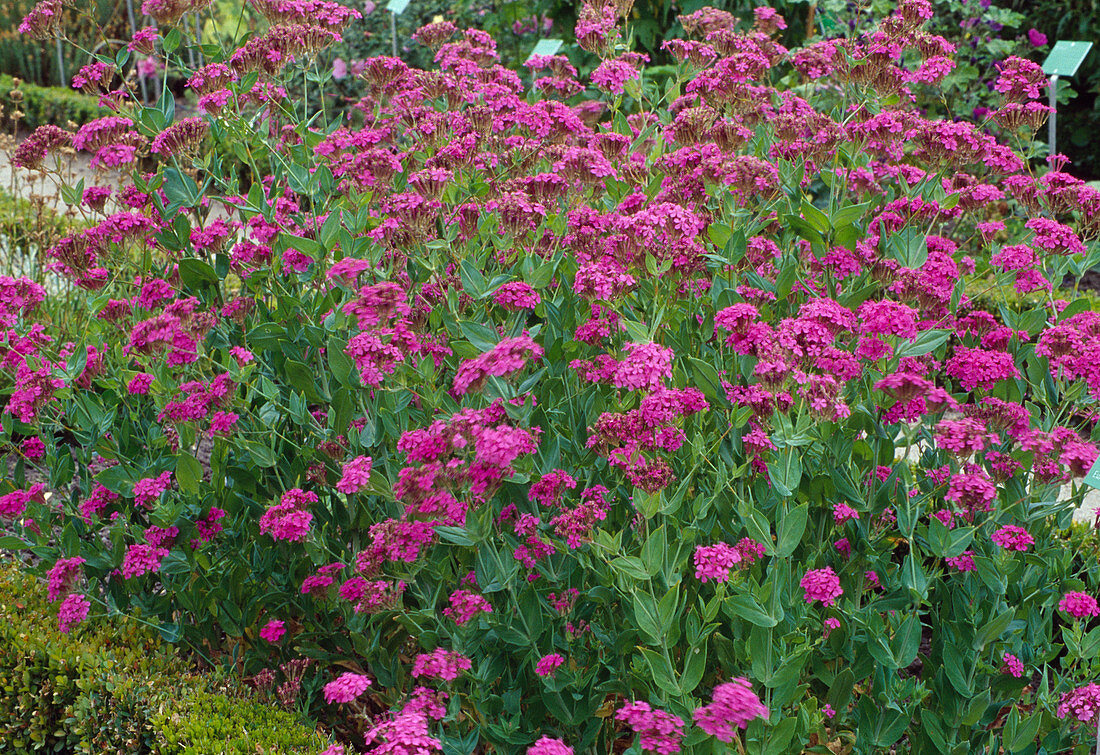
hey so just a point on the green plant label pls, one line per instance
(1066, 58)
(546, 47)
(397, 7)
(1093, 477)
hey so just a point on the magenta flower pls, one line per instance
(646, 367)
(1079, 605)
(356, 475)
(549, 746)
(346, 688)
(1082, 703)
(141, 558)
(963, 562)
(658, 730)
(715, 561)
(1036, 37)
(63, 575)
(842, 513)
(465, 605)
(72, 611)
(548, 664)
(273, 630)
(146, 491)
(1012, 665)
(823, 585)
(1012, 537)
(288, 519)
(441, 664)
(733, 705)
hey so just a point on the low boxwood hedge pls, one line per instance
(111, 686)
(42, 105)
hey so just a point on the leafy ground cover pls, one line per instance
(569, 416)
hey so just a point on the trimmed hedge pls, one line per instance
(113, 687)
(42, 105)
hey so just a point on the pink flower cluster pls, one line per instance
(549, 746)
(1013, 537)
(346, 688)
(821, 584)
(355, 476)
(273, 630)
(1079, 605)
(465, 605)
(548, 664)
(732, 706)
(505, 359)
(715, 561)
(440, 664)
(289, 519)
(1082, 703)
(658, 730)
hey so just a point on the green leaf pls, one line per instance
(815, 217)
(953, 666)
(908, 247)
(116, 479)
(906, 642)
(180, 188)
(1025, 733)
(648, 618)
(785, 470)
(473, 282)
(745, 607)
(188, 473)
(303, 379)
(663, 674)
(890, 726)
(694, 665)
(637, 332)
(195, 272)
(791, 530)
(666, 609)
(542, 276)
(927, 341)
(261, 454)
(12, 543)
(340, 363)
(171, 41)
(841, 690)
(456, 535)
(653, 552)
(849, 214)
(631, 567)
(707, 379)
(993, 629)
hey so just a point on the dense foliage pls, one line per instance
(111, 686)
(583, 411)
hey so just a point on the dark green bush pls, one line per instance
(29, 59)
(42, 105)
(1078, 119)
(113, 687)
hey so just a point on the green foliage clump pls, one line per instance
(92, 26)
(230, 722)
(114, 687)
(41, 105)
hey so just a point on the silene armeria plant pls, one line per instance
(508, 411)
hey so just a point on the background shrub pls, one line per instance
(111, 686)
